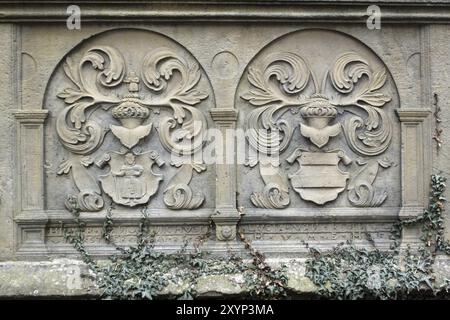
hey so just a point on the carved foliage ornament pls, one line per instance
(279, 85)
(168, 82)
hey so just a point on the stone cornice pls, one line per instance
(38, 115)
(400, 11)
(227, 115)
(412, 115)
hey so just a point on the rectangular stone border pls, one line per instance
(36, 228)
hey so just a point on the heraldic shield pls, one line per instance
(319, 178)
(131, 180)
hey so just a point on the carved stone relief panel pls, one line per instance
(318, 110)
(127, 128)
(128, 125)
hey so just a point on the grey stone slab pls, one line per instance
(289, 122)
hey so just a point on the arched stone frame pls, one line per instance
(34, 219)
(411, 130)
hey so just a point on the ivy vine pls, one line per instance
(141, 272)
(346, 272)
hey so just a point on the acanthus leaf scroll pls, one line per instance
(131, 181)
(283, 81)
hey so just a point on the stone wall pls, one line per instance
(294, 122)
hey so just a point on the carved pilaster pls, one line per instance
(31, 219)
(30, 158)
(413, 184)
(226, 215)
(413, 168)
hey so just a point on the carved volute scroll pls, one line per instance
(343, 97)
(131, 95)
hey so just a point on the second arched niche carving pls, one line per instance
(319, 120)
(145, 93)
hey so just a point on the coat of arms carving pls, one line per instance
(133, 100)
(285, 81)
(131, 180)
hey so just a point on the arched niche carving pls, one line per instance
(318, 108)
(129, 110)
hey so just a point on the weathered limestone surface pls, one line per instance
(59, 277)
(440, 71)
(9, 101)
(65, 277)
(70, 278)
(289, 122)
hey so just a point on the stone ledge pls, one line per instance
(59, 277)
(71, 278)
